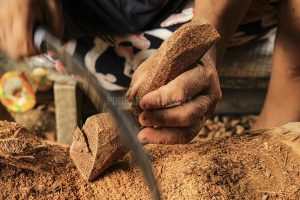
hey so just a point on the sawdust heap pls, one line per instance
(21, 148)
(251, 166)
(8, 129)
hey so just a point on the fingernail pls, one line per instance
(147, 107)
(143, 120)
(142, 139)
(145, 141)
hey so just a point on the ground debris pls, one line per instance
(226, 126)
(21, 148)
(237, 167)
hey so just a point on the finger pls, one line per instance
(135, 85)
(56, 23)
(22, 29)
(2, 31)
(137, 78)
(128, 92)
(8, 39)
(168, 135)
(30, 48)
(182, 88)
(183, 115)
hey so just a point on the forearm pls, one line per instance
(287, 45)
(225, 16)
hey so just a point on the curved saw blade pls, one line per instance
(128, 128)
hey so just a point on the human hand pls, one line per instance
(175, 113)
(18, 19)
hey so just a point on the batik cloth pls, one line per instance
(113, 59)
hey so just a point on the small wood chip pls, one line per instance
(265, 197)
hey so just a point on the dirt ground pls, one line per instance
(261, 165)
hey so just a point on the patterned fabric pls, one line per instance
(92, 17)
(113, 60)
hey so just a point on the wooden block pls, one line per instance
(96, 146)
(66, 110)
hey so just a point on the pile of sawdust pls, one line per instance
(226, 126)
(251, 166)
(8, 129)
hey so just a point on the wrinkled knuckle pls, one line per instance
(162, 118)
(164, 141)
(162, 138)
(193, 116)
(162, 97)
(207, 100)
(203, 106)
(183, 92)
